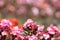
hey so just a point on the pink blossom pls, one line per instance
(57, 14)
(20, 2)
(39, 33)
(4, 33)
(48, 10)
(16, 30)
(56, 3)
(46, 36)
(21, 10)
(33, 37)
(22, 37)
(10, 8)
(35, 11)
(39, 3)
(28, 23)
(2, 3)
(40, 28)
(29, 2)
(50, 30)
(5, 22)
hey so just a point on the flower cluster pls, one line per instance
(30, 30)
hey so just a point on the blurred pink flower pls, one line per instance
(57, 14)
(10, 8)
(30, 2)
(2, 3)
(21, 10)
(56, 3)
(39, 3)
(20, 2)
(48, 10)
(4, 33)
(35, 11)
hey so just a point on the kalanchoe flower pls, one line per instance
(33, 37)
(30, 24)
(5, 22)
(17, 30)
(34, 31)
(50, 29)
(22, 37)
(46, 36)
(4, 33)
(39, 33)
(29, 21)
(40, 28)
(5, 25)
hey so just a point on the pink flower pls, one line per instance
(5, 22)
(33, 37)
(4, 33)
(40, 27)
(10, 8)
(21, 10)
(56, 3)
(2, 3)
(22, 37)
(29, 2)
(46, 36)
(35, 11)
(57, 14)
(20, 2)
(39, 33)
(39, 3)
(48, 10)
(16, 30)
(50, 30)
(28, 23)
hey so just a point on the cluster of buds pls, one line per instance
(30, 30)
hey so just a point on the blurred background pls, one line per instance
(42, 11)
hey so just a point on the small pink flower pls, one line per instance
(20, 2)
(29, 21)
(21, 10)
(29, 2)
(29, 24)
(16, 30)
(50, 30)
(2, 3)
(33, 37)
(23, 37)
(39, 33)
(35, 11)
(5, 24)
(56, 3)
(57, 14)
(4, 33)
(40, 27)
(46, 36)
